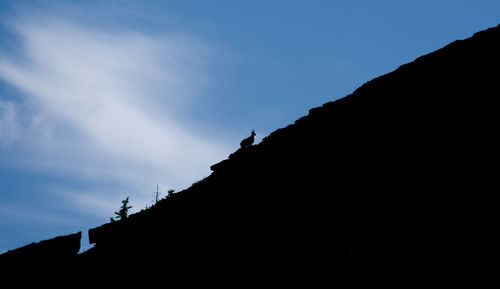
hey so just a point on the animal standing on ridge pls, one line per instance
(248, 141)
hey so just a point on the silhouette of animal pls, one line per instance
(248, 141)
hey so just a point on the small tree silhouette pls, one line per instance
(122, 214)
(156, 195)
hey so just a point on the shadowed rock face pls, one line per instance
(59, 248)
(394, 184)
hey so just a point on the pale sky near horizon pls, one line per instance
(100, 100)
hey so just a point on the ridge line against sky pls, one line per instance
(103, 99)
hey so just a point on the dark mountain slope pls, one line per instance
(395, 184)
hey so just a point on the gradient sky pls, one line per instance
(100, 100)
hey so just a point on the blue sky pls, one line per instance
(100, 100)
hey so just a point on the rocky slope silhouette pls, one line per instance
(394, 185)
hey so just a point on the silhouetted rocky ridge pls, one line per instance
(395, 184)
(58, 249)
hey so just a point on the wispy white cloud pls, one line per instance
(106, 105)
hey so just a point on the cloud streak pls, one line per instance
(8, 123)
(106, 105)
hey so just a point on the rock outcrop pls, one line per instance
(58, 249)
